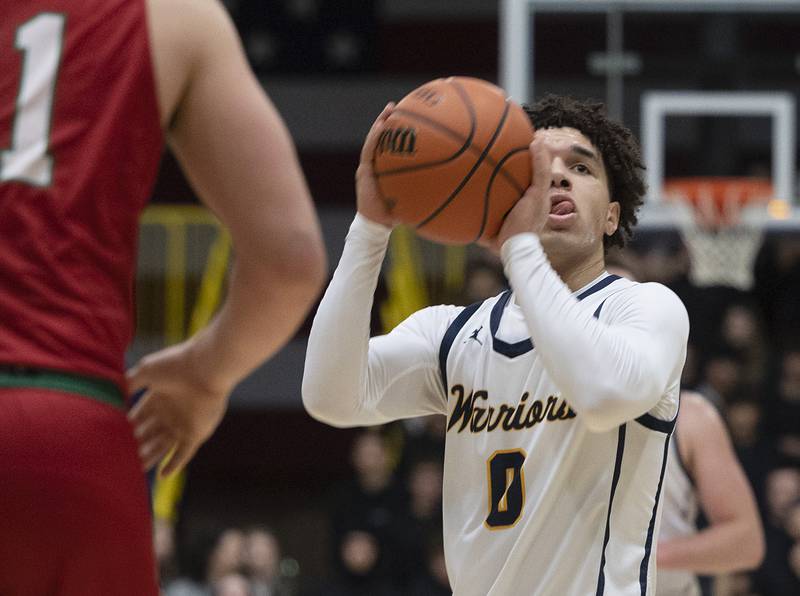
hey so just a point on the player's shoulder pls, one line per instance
(650, 295)
(198, 23)
(699, 423)
(438, 320)
(448, 314)
(695, 407)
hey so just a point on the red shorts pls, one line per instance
(74, 512)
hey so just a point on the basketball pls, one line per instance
(453, 159)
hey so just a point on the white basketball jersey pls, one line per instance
(535, 503)
(681, 508)
(541, 497)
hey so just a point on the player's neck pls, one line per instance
(577, 275)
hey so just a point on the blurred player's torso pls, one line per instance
(580, 516)
(80, 140)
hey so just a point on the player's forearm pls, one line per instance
(605, 376)
(721, 548)
(334, 379)
(266, 301)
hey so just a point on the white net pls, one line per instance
(722, 254)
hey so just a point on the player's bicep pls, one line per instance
(404, 365)
(655, 328)
(724, 491)
(234, 146)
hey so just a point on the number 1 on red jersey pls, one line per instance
(28, 160)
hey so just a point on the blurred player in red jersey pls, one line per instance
(89, 90)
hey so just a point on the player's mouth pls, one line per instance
(562, 211)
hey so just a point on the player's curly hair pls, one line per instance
(618, 146)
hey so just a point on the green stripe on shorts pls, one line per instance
(98, 389)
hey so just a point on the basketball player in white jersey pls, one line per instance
(560, 397)
(703, 473)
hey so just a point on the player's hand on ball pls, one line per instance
(369, 200)
(178, 410)
(530, 213)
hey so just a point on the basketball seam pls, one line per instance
(487, 196)
(472, 171)
(466, 143)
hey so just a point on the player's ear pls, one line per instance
(612, 218)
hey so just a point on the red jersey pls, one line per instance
(80, 142)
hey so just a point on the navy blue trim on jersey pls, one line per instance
(596, 314)
(598, 286)
(653, 423)
(450, 336)
(649, 543)
(498, 345)
(601, 578)
(681, 463)
(526, 345)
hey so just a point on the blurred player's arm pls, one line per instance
(608, 372)
(734, 540)
(350, 380)
(238, 155)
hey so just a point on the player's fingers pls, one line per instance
(541, 166)
(148, 429)
(180, 457)
(374, 133)
(141, 409)
(153, 452)
(136, 378)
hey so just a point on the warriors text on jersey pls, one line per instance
(559, 409)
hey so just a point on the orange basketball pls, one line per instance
(453, 159)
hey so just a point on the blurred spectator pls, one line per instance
(207, 555)
(792, 523)
(360, 568)
(783, 419)
(777, 286)
(422, 517)
(783, 490)
(738, 584)
(722, 377)
(431, 579)
(194, 554)
(164, 546)
(794, 561)
(484, 278)
(745, 416)
(228, 555)
(232, 584)
(690, 376)
(776, 578)
(741, 331)
(262, 560)
(424, 440)
(371, 499)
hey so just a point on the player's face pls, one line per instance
(581, 212)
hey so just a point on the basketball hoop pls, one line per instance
(721, 222)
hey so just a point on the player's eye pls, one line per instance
(581, 168)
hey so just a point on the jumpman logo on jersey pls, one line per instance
(474, 335)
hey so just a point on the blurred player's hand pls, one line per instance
(530, 212)
(369, 200)
(178, 410)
